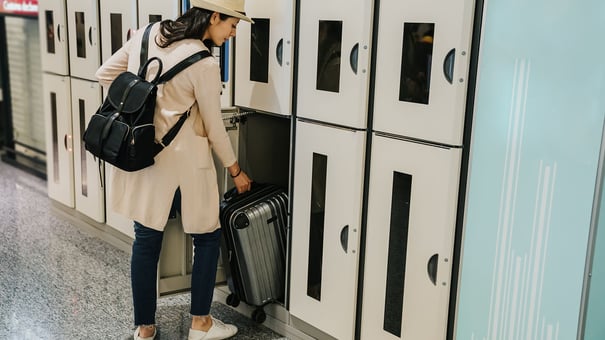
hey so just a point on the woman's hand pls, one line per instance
(241, 180)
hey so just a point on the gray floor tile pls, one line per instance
(57, 282)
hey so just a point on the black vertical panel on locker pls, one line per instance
(418, 116)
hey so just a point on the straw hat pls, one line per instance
(234, 8)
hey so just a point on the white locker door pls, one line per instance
(334, 50)
(53, 36)
(90, 195)
(263, 63)
(421, 68)
(118, 17)
(412, 203)
(325, 227)
(59, 141)
(84, 49)
(154, 11)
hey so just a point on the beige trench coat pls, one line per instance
(146, 195)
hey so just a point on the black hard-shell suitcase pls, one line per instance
(254, 230)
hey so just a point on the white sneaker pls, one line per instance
(217, 331)
(137, 337)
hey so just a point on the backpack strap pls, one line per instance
(169, 136)
(145, 46)
(192, 59)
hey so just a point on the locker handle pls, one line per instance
(431, 268)
(58, 32)
(67, 147)
(353, 57)
(90, 35)
(448, 65)
(344, 238)
(279, 51)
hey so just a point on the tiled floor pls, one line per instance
(58, 282)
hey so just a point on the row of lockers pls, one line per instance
(410, 228)
(421, 60)
(420, 75)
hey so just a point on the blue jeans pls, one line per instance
(144, 267)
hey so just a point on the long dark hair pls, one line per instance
(191, 25)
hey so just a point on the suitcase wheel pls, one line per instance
(232, 300)
(259, 315)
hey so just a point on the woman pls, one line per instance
(183, 174)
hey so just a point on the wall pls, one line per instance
(539, 111)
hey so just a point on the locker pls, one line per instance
(53, 36)
(326, 217)
(59, 140)
(89, 194)
(411, 221)
(421, 68)
(334, 56)
(118, 17)
(263, 61)
(153, 11)
(84, 49)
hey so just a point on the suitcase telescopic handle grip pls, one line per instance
(233, 191)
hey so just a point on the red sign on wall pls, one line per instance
(20, 7)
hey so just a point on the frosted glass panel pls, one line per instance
(533, 169)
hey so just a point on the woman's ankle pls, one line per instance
(201, 322)
(146, 331)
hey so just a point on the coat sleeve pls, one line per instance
(115, 65)
(207, 90)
